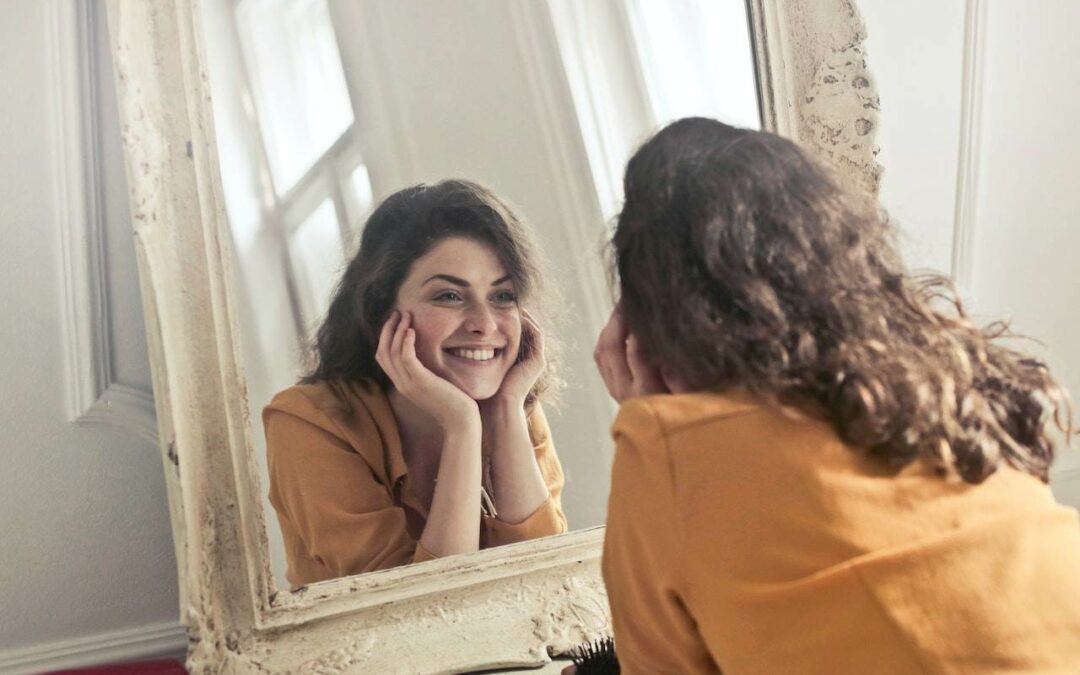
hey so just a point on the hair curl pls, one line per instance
(403, 228)
(743, 262)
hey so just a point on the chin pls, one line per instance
(479, 392)
(478, 388)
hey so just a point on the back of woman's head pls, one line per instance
(403, 228)
(742, 262)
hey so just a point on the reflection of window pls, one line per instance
(358, 196)
(634, 65)
(312, 180)
(296, 81)
(696, 59)
(315, 248)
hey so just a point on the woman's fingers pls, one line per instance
(619, 379)
(528, 364)
(623, 366)
(394, 351)
(412, 372)
(600, 357)
(610, 357)
(396, 354)
(409, 361)
(673, 383)
(646, 379)
(399, 336)
(386, 338)
(532, 340)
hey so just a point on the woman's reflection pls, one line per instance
(418, 433)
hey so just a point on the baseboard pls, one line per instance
(155, 641)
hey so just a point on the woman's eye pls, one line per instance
(449, 296)
(505, 298)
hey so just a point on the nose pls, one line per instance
(480, 320)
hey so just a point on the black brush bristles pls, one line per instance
(596, 657)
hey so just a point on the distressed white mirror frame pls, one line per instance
(510, 606)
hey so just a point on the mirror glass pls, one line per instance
(322, 108)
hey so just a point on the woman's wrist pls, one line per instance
(498, 414)
(463, 427)
(502, 403)
(454, 412)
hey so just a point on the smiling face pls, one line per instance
(465, 313)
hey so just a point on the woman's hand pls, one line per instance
(622, 365)
(440, 398)
(522, 376)
(518, 484)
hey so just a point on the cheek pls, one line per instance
(431, 330)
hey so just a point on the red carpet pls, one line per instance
(165, 667)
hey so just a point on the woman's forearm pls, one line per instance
(453, 524)
(517, 482)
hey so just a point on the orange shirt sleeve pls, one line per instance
(643, 542)
(337, 518)
(549, 518)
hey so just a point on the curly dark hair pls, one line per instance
(743, 262)
(404, 227)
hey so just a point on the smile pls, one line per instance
(474, 354)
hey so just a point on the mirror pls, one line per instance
(323, 108)
(567, 82)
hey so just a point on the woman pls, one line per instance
(819, 469)
(418, 433)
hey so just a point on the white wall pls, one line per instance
(1018, 207)
(1027, 212)
(918, 65)
(87, 571)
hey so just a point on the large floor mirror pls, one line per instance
(261, 135)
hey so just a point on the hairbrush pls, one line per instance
(596, 657)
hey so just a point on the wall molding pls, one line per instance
(92, 397)
(967, 167)
(160, 640)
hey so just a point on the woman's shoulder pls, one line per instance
(354, 416)
(732, 426)
(669, 413)
(325, 400)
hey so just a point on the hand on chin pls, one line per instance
(443, 400)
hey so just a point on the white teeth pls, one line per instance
(474, 354)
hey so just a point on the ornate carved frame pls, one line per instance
(511, 606)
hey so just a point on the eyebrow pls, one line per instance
(458, 281)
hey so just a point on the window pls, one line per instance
(310, 177)
(634, 65)
(296, 81)
(696, 59)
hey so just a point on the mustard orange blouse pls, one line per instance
(745, 540)
(339, 484)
